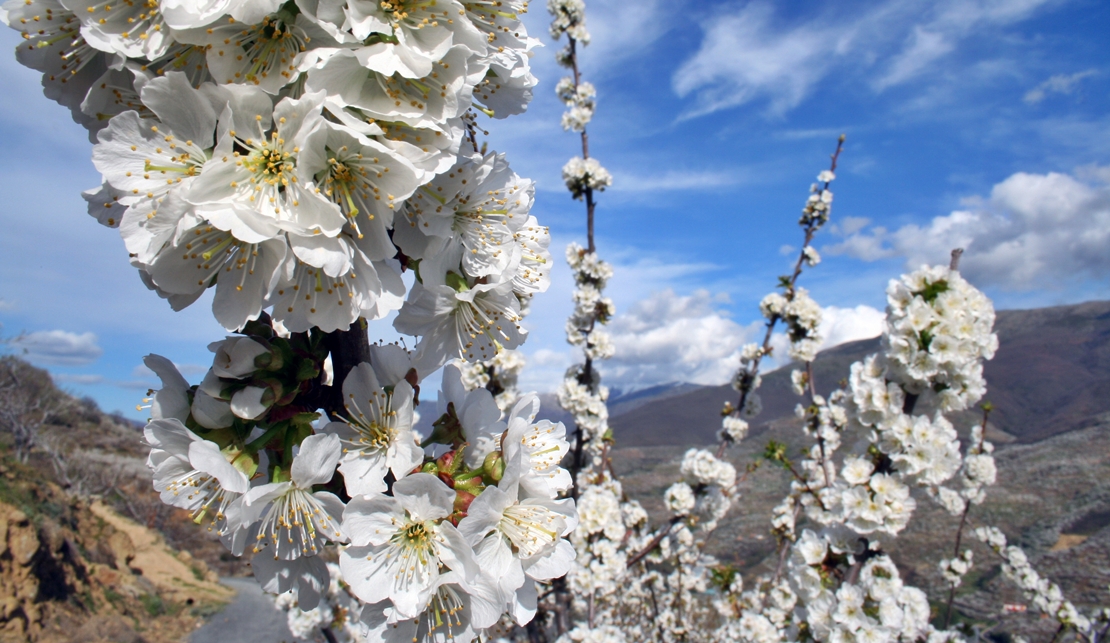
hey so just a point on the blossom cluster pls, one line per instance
(437, 538)
(580, 100)
(497, 375)
(299, 156)
(583, 175)
(878, 606)
(795, 308)
(954, 569)
(939, 330)
(802, 317)
(1045, 595)
(334, 611)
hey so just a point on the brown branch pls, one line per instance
(654, 542)
(955, 263)
(348, 348)
(967, 506)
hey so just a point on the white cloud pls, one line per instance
(1058, 84)
(823, 133)
(843, 325)
(77, 378)
(689, 338)
(1034, 231)
(58, 347)
(751, 54)
(672, 338)
(743, 57)
(923, 48)
(675, 180)
(636, 277)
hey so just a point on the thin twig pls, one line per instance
(955, 263)
(748, 378)
(654, 542)
(967, 506)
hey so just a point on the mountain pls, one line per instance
(1051, 375)
(1050, 385)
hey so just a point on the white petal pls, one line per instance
(206, 457)
(424, 496)
(370, 520)
(315, 463)
(247, 403)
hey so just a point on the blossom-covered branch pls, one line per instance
(298, 157)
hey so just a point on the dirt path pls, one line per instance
(250, 618)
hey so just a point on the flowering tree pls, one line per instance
(316, 163)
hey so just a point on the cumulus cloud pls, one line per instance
(688, 338)
(752, 54)
(674, 338)
(1058, 84)
(1033, 231)
(58, 347)
(843, 325)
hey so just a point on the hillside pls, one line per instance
(1050, 384)
(74, 570)
(1051, 375)
(88, 552)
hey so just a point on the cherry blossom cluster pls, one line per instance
(299, 156)
(581, 175)
(497, 375)
(1044, 594)
(580, 100)
(871, 493)
(954, 569)
(794, 307)
(802, 317)
(939, 331)
(877, 606)
(440, 538)
(977, 472)
(334, 611)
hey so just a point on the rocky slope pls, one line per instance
(75, 571)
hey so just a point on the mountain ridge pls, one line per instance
(1051, 375)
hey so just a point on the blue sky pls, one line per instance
(983, 124)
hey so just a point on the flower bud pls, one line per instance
(494, 466)
(235, 356)
(251, 402)
(462, 505)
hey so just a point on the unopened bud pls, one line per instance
(463, 500)
(457, 282)
(494, 466)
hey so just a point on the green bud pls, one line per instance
(457, 282)
(494, 466)
(242, 460)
